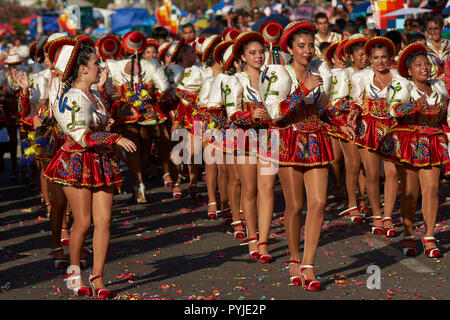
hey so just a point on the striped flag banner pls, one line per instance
(168, 15)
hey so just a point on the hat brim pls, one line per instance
(143, 41)
(229, 63)
(14, 62)
(379, 40)
(340, 49)
(244, 37)
(58, 43)
(228, 31)
(85, 38)
(221, 47)
(152, 42)
(101, 52)
(403, 56)
(291, 29)
(352, 42)
(330, 50)
(162, 51)
(177, 50)
(210, 47)
(264, 25)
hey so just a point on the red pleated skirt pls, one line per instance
(87, 168)
(415, 145)
(299, 148)
(370, 130)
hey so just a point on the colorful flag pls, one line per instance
(168, 15)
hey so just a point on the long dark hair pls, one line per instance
(82, 59)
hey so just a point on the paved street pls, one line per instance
(168, 249)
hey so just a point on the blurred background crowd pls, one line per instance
(24, 21)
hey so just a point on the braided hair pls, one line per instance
(82, 59)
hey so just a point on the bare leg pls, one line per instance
(57, 213)
(265, 205)
(429, 184)
(352, 168)
(102, 200)
(335, 167)
(371, 163)
(291, 179)
(133, 159)
(234, 192)
(390, 191)
(316, 196)
(408, 201)
(146, 137)
(80, 200)
(211, 182)
(248, 175)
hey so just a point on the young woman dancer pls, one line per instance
(187, 91)
(245, 109)
(85, 165)
(230, 65)
(417, 143)
(295, 96)
(211, 116)
(371, 119)
(353, 47)
(137, 113)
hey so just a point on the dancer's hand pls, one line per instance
(349, 131)
(352, 116)
(422, 101)
(313, 82)
(21, 79)
(111, 122)
(260, 113)
(127, 144)
(103, 77)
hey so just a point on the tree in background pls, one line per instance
(11, 13)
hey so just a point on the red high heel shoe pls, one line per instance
(408, 248)
(253, 254)
(238, 234)
(212, 215)
(65, 241)
(77, 289)
(307, 284)
(389, 232)
(377, 230)
(433, 252)
(176, 194)
(264, 258)
(354, 218)
(168, 183)
(59, 263)
(101, 293)
(295, 280)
